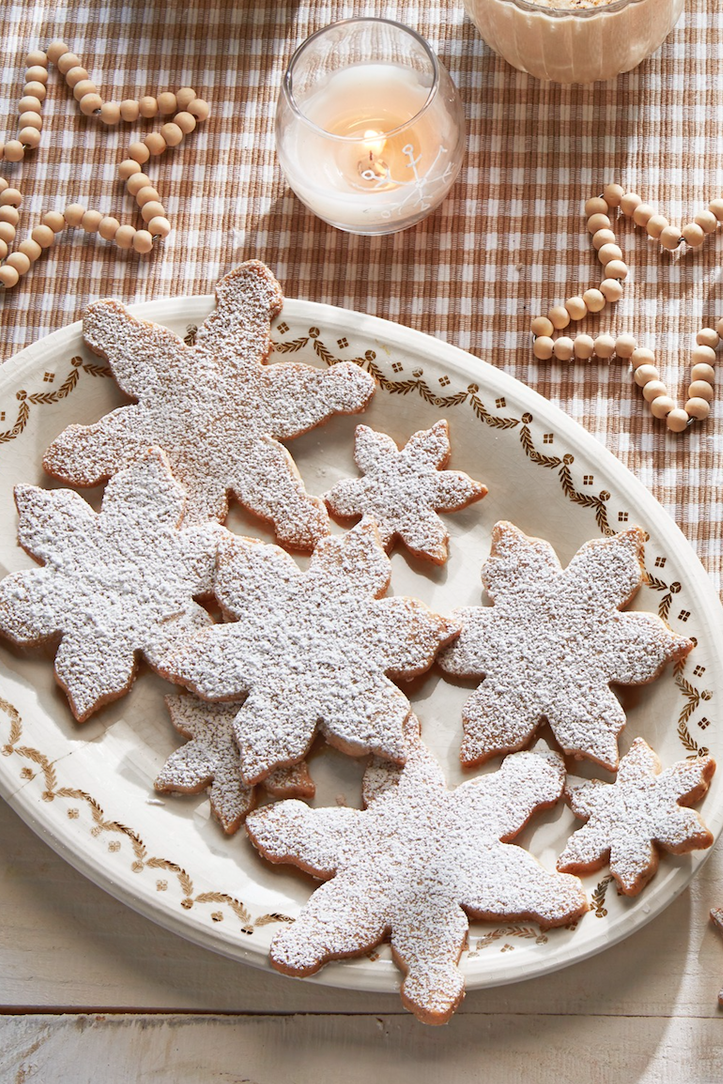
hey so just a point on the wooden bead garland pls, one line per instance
(183, 110)
(615, 271)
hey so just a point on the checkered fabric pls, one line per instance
(508, 242)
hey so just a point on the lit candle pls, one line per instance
(370, 129)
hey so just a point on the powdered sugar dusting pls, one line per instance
(410, 862)
(553, 642)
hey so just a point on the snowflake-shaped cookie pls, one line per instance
(403, 489)
(311, 649)
(114, 583)
(412, 863)
(631, 820)
(210, 759)
(215, 408)
(552, 644)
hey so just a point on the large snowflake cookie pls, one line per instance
(312, 649)
(631, 820)
(415, 864)
(553, 642)
(215, 408)
(403, 489)
(210, 761)
(114, 584)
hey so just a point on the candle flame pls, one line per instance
(374, 143)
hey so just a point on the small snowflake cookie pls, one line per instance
(114, 584)
(631, 820)
(553, 642)
(416, 864)
(403, 489)
(217, 410)
(312, 649)
(210, 761)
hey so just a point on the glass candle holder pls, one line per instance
(574, 41)
(370, 128)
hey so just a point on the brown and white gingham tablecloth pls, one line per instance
(508, 242)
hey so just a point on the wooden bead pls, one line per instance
(716, 208)
(30, 138)
(612, 194)
(559, 317)
(719, 328)
(662, 406)
(37, 56)
(108, 227)
(594, 300)
(670, 237)
(698, 408)
(8, 275)
(644, 374)
(124, 236)
(703, 372)
(542, 347)
(139, 152)
(30, 120)
(701, 389)
(185, 121)
(584, 347)
(625, 345)
(541, 326)
(642, 214)
(29, 104)
(43, 235)
(136, 182)
(563, 348)
(611, 289)
(604, 346)
(14, 151)
(3, 184)
(155, 143)
(74, 214)
(147, 195)
(90, 103)
(10, 197)
(148, 106)
(66, 62)
(693, 234)
(7, 232)
(3, 250)
(127, 168)
(161, 227)
(185, 96)
(596, 206)
(703, 354)
(629, 202)
(9, 214)
(655, 225)
(30, 248)
(603, 237)
(143, 241)
(151, 210)
(576, 307)
(199, 108)
(707, 221)
(83, 87)
(35, 90)
(110, 113)
(642, 356)
(609, 252)
(91, 220)
(594, 223)
(167, 103)
(19, 261)
(616, 269)
(130, 109)
(75, 76)
(36, 74)
(707, 336)
(653, 390)
(55, 50)
(172, 134)
(677, 420)
(55, 220)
